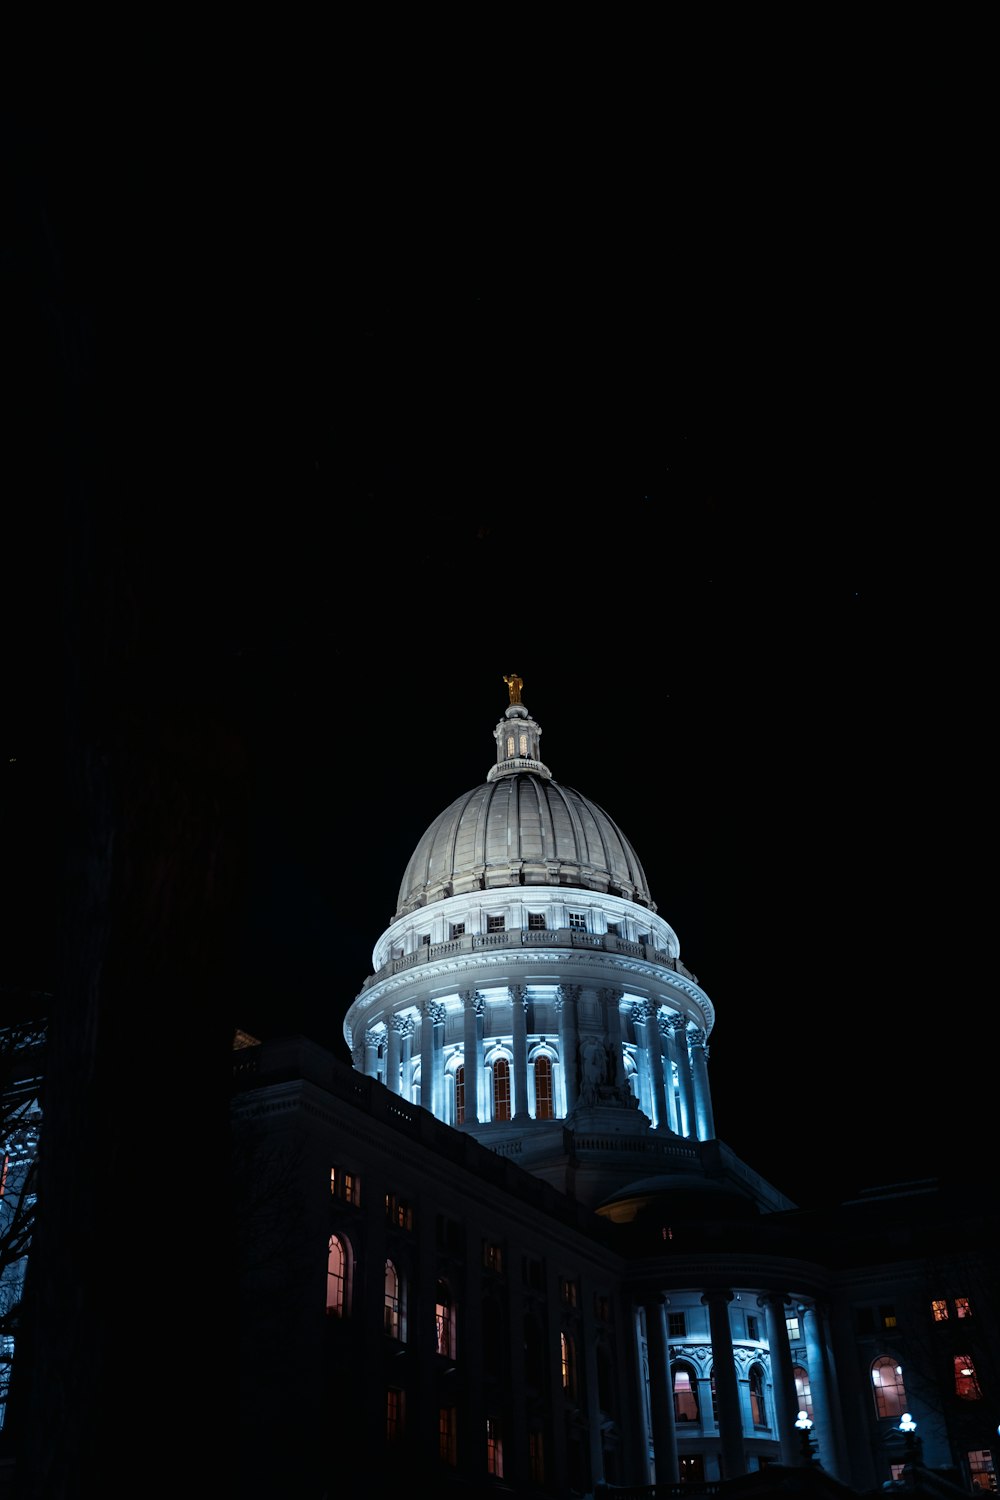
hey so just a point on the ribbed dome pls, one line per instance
(522, 829)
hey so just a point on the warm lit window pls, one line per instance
(676, 1325)
(939, 1308)
(398, 1211)
(394, 1414)
(685, 1395)
(966, 1384)
(536, 921)
(981, 1470)
(395, 1323)
(494, 1448)
(543, 1089)
(510, 744)
(887, 1317)
(803, 1391)
(444, 1320)
(460, 1096)
(758, 1411)
(567, 1360)
(523, 744)
(792, 1324)
(337, 1280)
(890, 1393)
(3, 1174)
(578, 921)
(501, 1089)
(536, 1458)
(345, 1185)
(962, 1308)
(448, 1434)
(495, 924)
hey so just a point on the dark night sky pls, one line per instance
(371, 447)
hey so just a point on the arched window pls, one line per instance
(501, 1089)
(460, 1096)
(395, 1306)
(685, 1394)
(758, 1410)
(444, 1320)
(567, 1356)
(803, 1390)
(890, 1393)
(966, 1384)
(338, 1278)
(543, 1089)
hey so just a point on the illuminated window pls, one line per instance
(494, 1448)
(345, 1185)
(940, 1310)
(578, 921)
(495, 924)
(536, 1457)
(459, 1096)
(444, 1320)
(685, 1394)
(394, 1415)
(398, 1211)
(890, 1393)
(567, 1359)
(338, 1284)
(676, 1325)
(887, 1317)
(523, 744)
(3, 1174)
(395, 1311)
(962, 1308)
(803, 1390)
(758, 1410)
(448, 1434)
(543, 1089)
(981, 1470)
(792, 1324)
(510, 744)
(536, 921)
(966, 1384)
(501, 1089)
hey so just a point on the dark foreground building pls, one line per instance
(505, 1253)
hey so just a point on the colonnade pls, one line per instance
(827, 1431)
(666, 1047)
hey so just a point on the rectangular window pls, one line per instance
(676, 1325)
(457, 929)
(448, 1434)
(492, 1256)
(887, 1317)
(792, 1324)
(398, 1212)
(394, 1415)
(752, 1327)
(614, 928)
(494, 1448)
(536, 921)
(578, 921)
(962, 1308)
(345, 1185)
(939, 1308)
(495, 924)
(425, 939)
(569, 1291)
(981, 1470)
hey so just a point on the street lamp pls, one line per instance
(804, 1422)
(908, 1427)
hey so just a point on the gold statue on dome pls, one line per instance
(514, 686)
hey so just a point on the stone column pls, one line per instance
(661, 1394)
(371, 1052)
(519, 1009)
(727, 1388)
(613, 1030)
(822, 1384)
(436, 1103)
(640, 1028)
(688, 1119)
(396, 1025)
(705, 1128)
(654, 1059)
(666, 1030)
(407, 1031)
(472, 1006)
(782, 1377)
(566, 1000)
